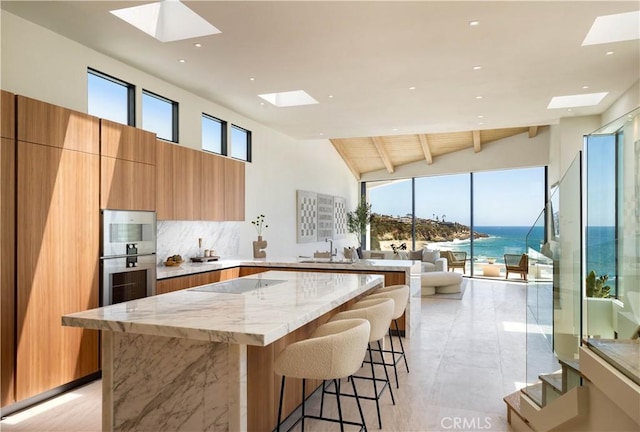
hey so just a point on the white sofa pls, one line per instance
(431, 260)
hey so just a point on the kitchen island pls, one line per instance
(202, 358)
(405, 272)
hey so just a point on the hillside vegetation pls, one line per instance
(384, 227)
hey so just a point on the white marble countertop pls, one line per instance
(255, 315)
(187, 268)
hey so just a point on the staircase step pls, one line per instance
(513, 405)
(534, 391)
(574, 365)
(554, 380)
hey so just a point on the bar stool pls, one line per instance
(400, 296)
(378, 312)
(334, 351)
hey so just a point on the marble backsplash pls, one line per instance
(181, 238)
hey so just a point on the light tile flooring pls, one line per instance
(466, 357)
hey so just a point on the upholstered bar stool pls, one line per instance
(400, 296)
(334, 351)
(379, 313)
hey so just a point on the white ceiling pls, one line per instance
(367, 55)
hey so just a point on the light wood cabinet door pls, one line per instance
(234, 190)
(126, 185)
(164, 286)
(7, 271)
(7, 115)
(187, 182)
(57, 265)
(164, 180)
(51, 125)
(212, 187)
(126, 142)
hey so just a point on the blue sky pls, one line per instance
(502, 198)
(600, 180)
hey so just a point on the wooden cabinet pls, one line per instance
(164, 180)
(51, 125)
(127, 167)
(7, 115)
(195, 185)
(164, 286)
(57, 264)
(7, 269)
(234, 190)
(213, 187)
(187, 183)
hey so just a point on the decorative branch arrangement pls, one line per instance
(259, 224)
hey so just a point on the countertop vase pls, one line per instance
(259, 247)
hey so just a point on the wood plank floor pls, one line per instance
(467, 356)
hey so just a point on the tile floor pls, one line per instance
(466, 357)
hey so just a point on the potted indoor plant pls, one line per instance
(358, 220)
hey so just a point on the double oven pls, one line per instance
(128, 255)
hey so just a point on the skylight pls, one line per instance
(289, 98)
(167, 21)
(614, 28)
(579, 100)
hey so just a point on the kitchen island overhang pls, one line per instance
(199, 360)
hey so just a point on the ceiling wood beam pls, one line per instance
(339, 146)
(477, 144)
(533, 131)
(424, 143)
(377, 141)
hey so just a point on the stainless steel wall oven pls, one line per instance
(128, 255)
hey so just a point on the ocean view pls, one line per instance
(501, 240)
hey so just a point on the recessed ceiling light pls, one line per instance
(321, 133)
(182, 61)
(569, 109)
(585, 87)
(481, 123)
(261, 103)
(614, 28)
(579, 100)
(480, 116)
(197, 45)
(289, 98)
(474, 23)
(412, 88)
(395, 129)
(477, 67)
(609, 53)
(478, 97)
(252, 79)
(330, 96)
(166, 21)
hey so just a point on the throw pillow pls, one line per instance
(431, 256)
(415, 255)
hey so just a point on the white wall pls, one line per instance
(44, 65)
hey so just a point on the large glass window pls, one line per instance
(110, 98)
(392, 214)
(240, 143)
(160, 115)
(601, 210)
(443, 216)
(214, 134)
(506, 204)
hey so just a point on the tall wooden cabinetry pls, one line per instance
(127, 167)
(196, 185)
(7, 248)
(57, 228)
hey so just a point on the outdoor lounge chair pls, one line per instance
(455, 260)
(516, 264)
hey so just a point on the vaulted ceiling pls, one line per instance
(396, 81)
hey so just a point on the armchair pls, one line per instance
(455, 260)
(517, 264)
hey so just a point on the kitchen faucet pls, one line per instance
(331, 254)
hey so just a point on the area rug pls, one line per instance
(452, 296)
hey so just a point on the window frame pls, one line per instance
(248, 143)
(223, 132)
(131, 93)
(174, 114)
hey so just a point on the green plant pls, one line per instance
(596, 285)
(358, 219)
